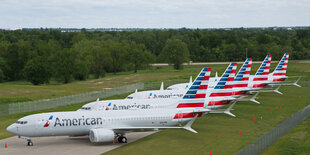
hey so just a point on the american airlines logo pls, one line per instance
(131, 106)
(167, 96)
(78, 121)
(47, 124)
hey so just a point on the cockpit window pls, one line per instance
(86, 108)
(169, 88)
(129, 97)
(21, 122)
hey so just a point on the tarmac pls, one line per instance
(62, 145)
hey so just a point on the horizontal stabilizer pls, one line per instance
(188, 126)
(225, 111)
(252, 99)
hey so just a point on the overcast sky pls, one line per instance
(153, 13)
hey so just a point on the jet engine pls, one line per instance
(101, 135)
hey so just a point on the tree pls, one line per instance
(1, 76)
(64, 62)
(5, 69)
(37, 71)
(175, 52)
(80, 70)
(118, 53)
(139, 56)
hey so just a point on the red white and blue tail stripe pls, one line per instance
(263, 70)
(227, 77)
(241, 81)
(244, 74)
(225, 84)
(195, 96)
(281, 68)
(199, 87)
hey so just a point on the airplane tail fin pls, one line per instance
(195, 95)
(224, 85)
(242, 78)
(200, 85)
(280, 70)
(263, 70)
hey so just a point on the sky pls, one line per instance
(153, 13)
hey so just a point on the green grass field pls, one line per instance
(180, 141)
(296, 141)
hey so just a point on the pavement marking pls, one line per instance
(63, 145)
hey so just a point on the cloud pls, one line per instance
(153, 13)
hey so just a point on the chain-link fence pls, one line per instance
(23, 107)
(266, 140)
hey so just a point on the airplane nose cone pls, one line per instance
(12, 129)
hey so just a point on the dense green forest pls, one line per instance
(42, 54)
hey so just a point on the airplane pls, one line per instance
(107, 126)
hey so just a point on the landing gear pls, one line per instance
(122, 139)
(30, 143)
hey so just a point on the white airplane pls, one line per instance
(107, 126)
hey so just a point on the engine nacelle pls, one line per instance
(101, 135)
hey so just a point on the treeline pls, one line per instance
(39, 55)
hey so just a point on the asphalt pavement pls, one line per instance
(62, 145)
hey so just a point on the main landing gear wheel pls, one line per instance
(30, 143)
(122, 139)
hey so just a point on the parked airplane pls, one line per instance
(110, 125)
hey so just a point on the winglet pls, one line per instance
(162, 86)
(190, 80)
(188, 126)
(136, 90)
(97, 100)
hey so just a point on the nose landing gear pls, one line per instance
(30, 143)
